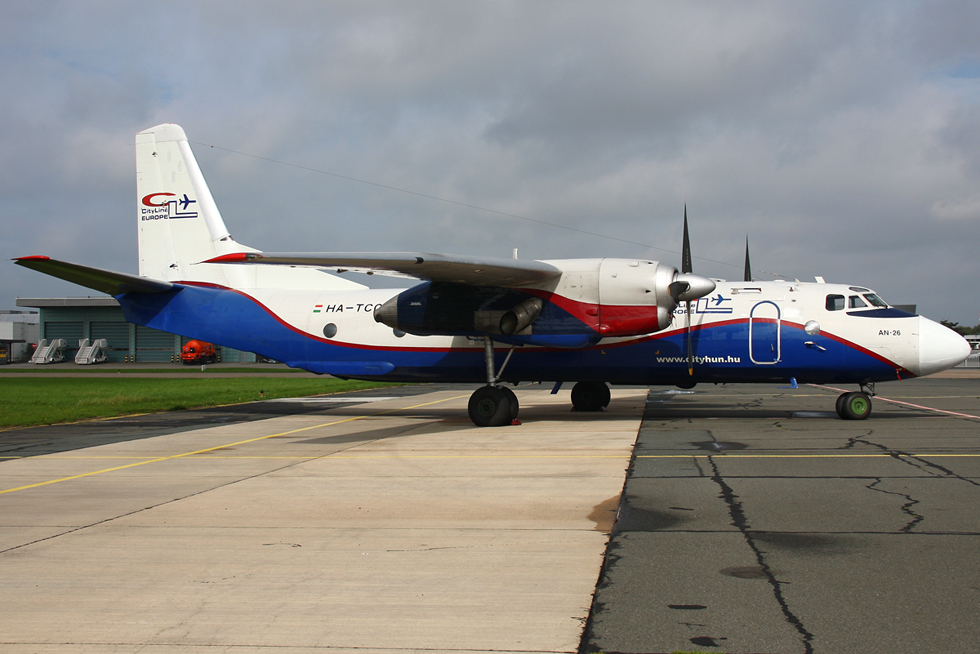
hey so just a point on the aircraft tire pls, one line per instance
(590, 396)
(491, 406)
(515, 405)
(854, 406)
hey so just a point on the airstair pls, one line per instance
(53, 352)
(92, 352)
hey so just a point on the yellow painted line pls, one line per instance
(219, 447)
(624, 455)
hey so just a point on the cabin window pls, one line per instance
(875, 300)
(855, 302)
(835, 303)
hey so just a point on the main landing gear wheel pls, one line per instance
(590, 396)
(493, 406)
(515, 405)
(854, 406)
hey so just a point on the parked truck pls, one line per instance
(198, 352)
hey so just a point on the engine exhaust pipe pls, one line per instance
(518, 318)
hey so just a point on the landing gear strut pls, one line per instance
(493, 405)
(590, 396)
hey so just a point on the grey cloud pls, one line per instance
(840, 136)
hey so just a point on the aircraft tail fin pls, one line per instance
(180, 225)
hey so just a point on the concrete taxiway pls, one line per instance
(376, 521)
(753, 521)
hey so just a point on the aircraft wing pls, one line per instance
(477, 271)
(106, 281)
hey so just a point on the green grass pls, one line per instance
(41, 401)
(211, 369)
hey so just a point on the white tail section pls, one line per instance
(180, 225)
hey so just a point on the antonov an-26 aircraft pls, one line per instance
(490, 321)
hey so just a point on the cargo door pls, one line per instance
(764, 334)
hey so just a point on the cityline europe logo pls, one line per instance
(160, 206)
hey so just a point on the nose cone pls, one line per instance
(939, 348)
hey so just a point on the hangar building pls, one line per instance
(76, 318)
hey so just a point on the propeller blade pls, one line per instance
(677, 289)
(686, 265)
(687, 286)
(690, 350)
(748, 266)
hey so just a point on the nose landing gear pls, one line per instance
(856, 405)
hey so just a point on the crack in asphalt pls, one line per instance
(905, 508)
(740, 522)
(917, 462)
(914, 460)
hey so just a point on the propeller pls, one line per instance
(748, 266)
(687, 286)
(687, 266)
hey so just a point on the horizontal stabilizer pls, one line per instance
(478, 271)
(106, 281)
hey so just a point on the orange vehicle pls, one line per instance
(197, 352)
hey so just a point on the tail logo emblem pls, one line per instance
(156, 208)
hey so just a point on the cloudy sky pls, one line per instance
(841, 137)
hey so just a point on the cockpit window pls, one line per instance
(835, 303)
(855, 302)
(875, 300)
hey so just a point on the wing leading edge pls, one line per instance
(477, 271)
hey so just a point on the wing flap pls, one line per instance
(477, 271)
(105, 281)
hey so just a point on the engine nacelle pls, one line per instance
(446, 308)
(639, 297)
(605, 298)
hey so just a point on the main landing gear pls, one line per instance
(590, 396)
(856, 405)
(493, 405)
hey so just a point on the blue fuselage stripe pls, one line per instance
(721, 351)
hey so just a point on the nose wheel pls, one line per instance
(854, 406)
